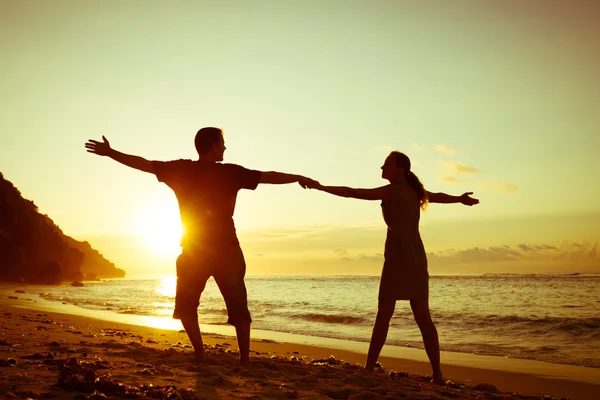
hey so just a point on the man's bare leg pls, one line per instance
(242, 330)
(192, 328)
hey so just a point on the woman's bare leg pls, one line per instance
(422, 316)
(380, 331)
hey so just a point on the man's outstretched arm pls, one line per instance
(465, 198)
(280, 178)
(103, 149)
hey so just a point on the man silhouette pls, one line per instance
(206, 191)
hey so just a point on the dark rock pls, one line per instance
(485, 387)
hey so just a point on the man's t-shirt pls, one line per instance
(206, 192)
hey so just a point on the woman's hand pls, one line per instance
(467, 200)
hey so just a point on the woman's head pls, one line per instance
(397, 167)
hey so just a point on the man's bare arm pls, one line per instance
(279, 178)
(103, 149)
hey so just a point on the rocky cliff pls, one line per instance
(34, 249)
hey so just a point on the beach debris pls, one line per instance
(4, 343)
(294, 359)
(19, 291)
(396, 375)
(486, 387)
(290, 390)
(326, 361)
(38, 356)
(83, 377)
(9, 362)
(77, 284)
(13, 297)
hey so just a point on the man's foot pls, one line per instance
(438, 380)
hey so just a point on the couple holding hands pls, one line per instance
(206, 191)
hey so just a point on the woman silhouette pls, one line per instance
(404, 275)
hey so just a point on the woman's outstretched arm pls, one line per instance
(465, 198)
(379, 193)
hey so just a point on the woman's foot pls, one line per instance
(438, 379)
(200, 357)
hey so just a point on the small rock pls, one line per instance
(485, 387)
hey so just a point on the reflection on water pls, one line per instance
(167, 286)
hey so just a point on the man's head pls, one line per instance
(210, 144)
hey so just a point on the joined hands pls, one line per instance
(307, 183)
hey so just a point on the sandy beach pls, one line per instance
(48, 352)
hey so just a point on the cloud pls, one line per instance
(444, 149)
(459, 168)
(501, 186)
(567, 250)
(452, 180)
(378, 257)
(416, 146)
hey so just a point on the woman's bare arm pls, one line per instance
(445, 198)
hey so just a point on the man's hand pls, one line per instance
(96, 147)
(308, 183)
(467, 200)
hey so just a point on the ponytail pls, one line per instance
(414, 181)
(402, 161)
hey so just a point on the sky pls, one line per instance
(501, 98)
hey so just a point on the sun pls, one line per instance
(159, 228)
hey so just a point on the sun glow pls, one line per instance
(160, 230)
(167, 286)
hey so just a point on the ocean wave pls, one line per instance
(77, 302)
(329, 318)
(573, 326)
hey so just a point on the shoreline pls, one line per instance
(526, 377)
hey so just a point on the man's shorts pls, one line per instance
(227, 265)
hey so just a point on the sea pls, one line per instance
(551, 318)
